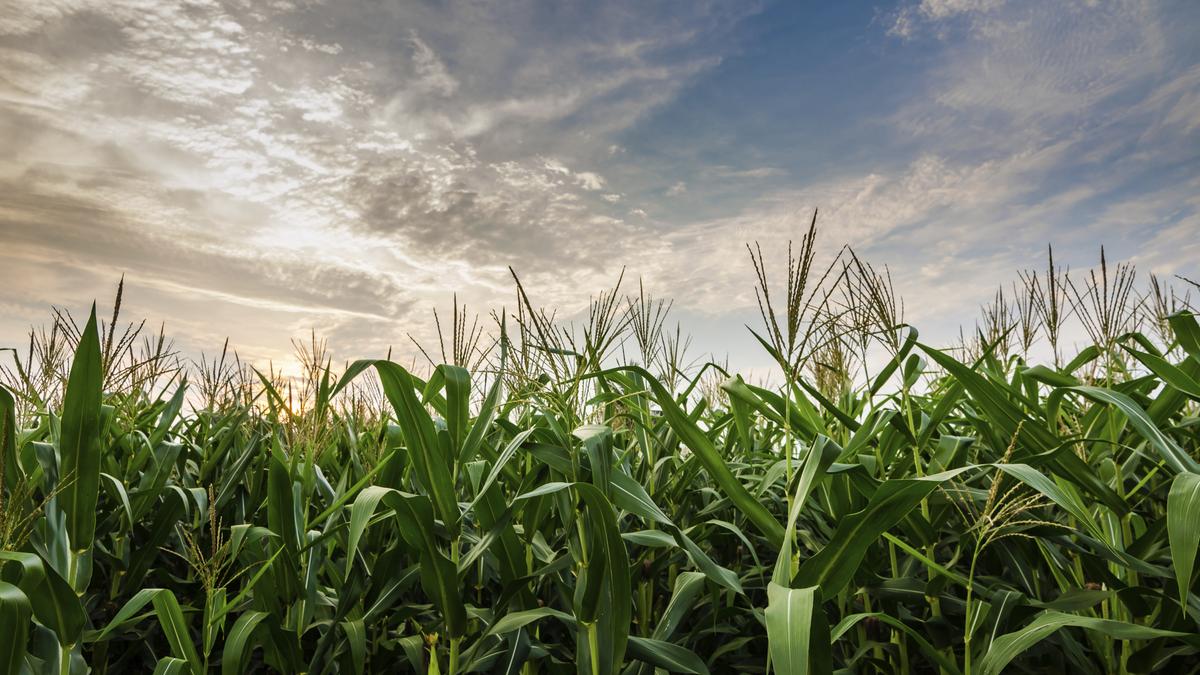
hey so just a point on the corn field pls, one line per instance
(585, 498)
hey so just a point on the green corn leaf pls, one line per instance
(1007, 647)
(835, 564)
(281, 504)
(499, 464)
(688, 586)
(434, 467)
(54, 603)
(517, 620)
(79, 441)
(127, 614)
(797, 631)
(241, 642)
(1187, 332)
(1007, 417)
(415, 524)
(698, 441)
(1183, 529)
(487, 413)
(629, 495)
(820, 456)
(15, 613)
(516, 655)
(607, 585)
(1174, 456)
(170, 617)
(356, 637)
(8, 441)
(458, 404)
(1169, 373)
(665, 655)
(169, 665)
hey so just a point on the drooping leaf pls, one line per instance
(1007, 647)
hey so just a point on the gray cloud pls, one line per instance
(320, 166)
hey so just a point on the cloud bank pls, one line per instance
(260, 169)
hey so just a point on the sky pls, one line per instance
(260, 169)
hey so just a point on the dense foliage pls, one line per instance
(562, 500)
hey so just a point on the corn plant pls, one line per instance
(548, 498)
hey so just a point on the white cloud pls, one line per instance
(941, 9)
(589, 181)
(432, 75)
(227, 155)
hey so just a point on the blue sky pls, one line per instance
(260, 169)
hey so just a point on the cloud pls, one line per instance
(589, 181)
(1020, 70)
(432, 75)
(911, 17)
(302, 161)
(678, 188)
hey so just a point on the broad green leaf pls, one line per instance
(628, 494)
(606, 582)
(516, 655)
(170, 620)
(415, 524)
(170, 617)
(797, 631)
(836, 563)
(1007, 647)
(698, 441)
(127, 613)
(79, 441)
(53, 601)
(499, 464)
(1187, 332)
(433, 467)
(1169, 373)
(820, 456)
(1174, 456)
(169, 665)
(1006, 417)
(15, 613)
(9, 464)
(239, 644)
(665, 655)
(688, 586)
(1183, 529)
